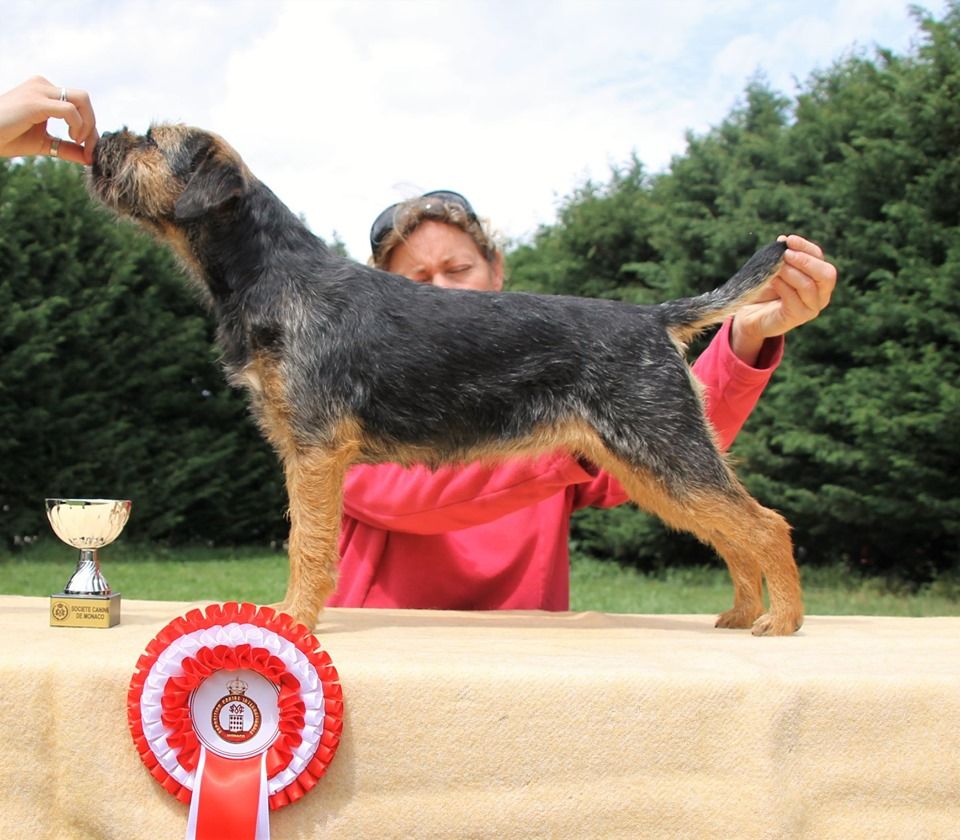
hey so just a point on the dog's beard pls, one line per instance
(109, 174)
(131, 182)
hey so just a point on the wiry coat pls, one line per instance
(349, 364)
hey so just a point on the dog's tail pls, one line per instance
(685, 317)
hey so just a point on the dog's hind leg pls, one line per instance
(751, 539)
(315, 491)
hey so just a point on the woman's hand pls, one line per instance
(24, 112)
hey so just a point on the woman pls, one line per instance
(482, 536)
(24, 112)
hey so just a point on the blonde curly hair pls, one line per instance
(439, 206)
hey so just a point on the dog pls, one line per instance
(347, 364)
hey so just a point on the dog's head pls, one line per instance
(169, 177)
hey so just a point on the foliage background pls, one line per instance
(109, 383)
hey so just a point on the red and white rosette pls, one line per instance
(235, 709)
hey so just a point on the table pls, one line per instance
(527, 724)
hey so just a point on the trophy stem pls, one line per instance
(87, 579)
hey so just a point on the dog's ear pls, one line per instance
(212, 184)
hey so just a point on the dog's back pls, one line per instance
(451, 372)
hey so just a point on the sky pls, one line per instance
(343, 107)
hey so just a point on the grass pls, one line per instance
(259, 575)
(147, 572)
(606, 587)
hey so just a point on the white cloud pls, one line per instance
(344, 107)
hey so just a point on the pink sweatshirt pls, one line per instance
(481, 537)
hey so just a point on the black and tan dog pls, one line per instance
(347, 364)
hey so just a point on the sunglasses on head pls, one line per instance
(385, 221)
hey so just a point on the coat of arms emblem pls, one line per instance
(236, 718)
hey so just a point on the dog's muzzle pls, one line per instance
(109, 176)
(108, 155)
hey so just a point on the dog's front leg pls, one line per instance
(315, 491)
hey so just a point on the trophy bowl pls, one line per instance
(87, 525)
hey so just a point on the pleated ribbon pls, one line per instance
(224, 638)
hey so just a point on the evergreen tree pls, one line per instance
(109, 385)
(856, 439)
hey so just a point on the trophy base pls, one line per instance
(84, 610)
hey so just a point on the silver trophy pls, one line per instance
(89, 525)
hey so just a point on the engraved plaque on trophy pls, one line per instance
(88, 525)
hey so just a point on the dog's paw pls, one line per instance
(302, 615)
(737, 618)
(776, 625)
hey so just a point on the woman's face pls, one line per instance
(446, 256)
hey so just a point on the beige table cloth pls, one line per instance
(515, 724)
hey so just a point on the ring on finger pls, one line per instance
(55, 147)
(63, 94)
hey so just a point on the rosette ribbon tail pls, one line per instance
(230, 799)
